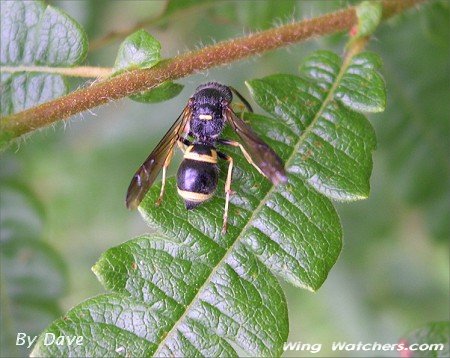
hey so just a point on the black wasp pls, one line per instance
(197, 132)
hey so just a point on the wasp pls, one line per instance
(197, 131)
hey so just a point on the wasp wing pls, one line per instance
(148, 171)
(257, 151)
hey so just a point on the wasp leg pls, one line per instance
(164, 169)
(181, 142)
(246, 155)
(228, 191)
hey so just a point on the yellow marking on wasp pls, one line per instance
(206, 117)
(208, 158)
(201, 157)
(195, 197)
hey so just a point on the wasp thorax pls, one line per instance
(207, 122)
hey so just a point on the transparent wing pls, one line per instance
(258, 152)
(146, 174)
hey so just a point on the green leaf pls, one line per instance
(139, 50)
(157, 281)
(33, 34)
(163, 92)
(434, 333)
(369, 16)
(189, 290)
(336, 149)
(361, 88)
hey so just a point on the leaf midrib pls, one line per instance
(319, 113)
(262, 203)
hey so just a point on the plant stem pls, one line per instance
(222, 53)
(85, 71)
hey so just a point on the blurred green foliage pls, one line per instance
(393, 274)
(33, 275)
(436, 333)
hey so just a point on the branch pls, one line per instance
(211, 56)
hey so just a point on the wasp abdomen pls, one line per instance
(197, 175)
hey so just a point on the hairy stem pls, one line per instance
(211, 56)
